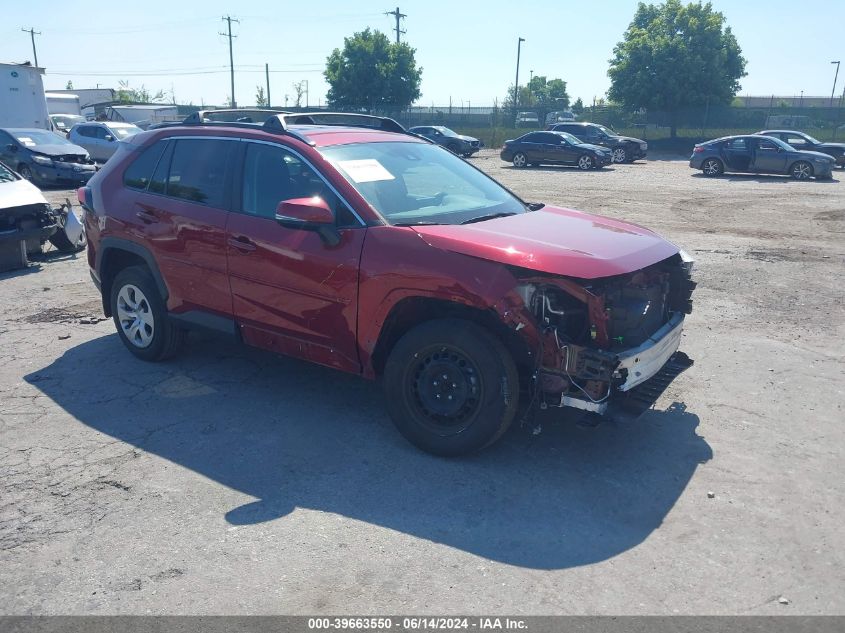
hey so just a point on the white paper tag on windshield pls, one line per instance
(27, 141)
(365, 170)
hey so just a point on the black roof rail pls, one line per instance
(238, 115)
(341, 119)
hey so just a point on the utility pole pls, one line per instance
(32, 33)
(267, 77)
(832, 92)
(516, 83)
(229, 20)
(398, 17)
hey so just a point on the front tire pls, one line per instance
(619, 155)
(140, 316)
(586, 162)
(802, 170)
(26, 173)
(519, 160)
(712, 167)
(452, 387)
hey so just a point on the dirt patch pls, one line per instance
(88, 313)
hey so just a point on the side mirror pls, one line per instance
(109, 137)
(309, 214)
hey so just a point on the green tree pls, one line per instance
(578, 106)
(373, 73)
(260, 98)
(125, 94)
(549, 95)
(674, 56)
(69, 85)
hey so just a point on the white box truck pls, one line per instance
(22, 101)
(63, 103)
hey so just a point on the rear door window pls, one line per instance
(737, 144)
(198, 171)
(139, 174)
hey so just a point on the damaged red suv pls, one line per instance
(346, 241)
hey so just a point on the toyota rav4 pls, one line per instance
(345, 241)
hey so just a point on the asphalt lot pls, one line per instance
(230, 481)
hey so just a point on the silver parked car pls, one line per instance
(100, 137)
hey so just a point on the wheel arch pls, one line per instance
(412, 311)
(116, 254)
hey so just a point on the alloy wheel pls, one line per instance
(619, 155)
(135, 316)
(519, 160)
(802, 170)
(585, 162)
(711, 167)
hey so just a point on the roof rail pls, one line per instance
(233, 115)
(342, 119)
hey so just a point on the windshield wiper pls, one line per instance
(421, 223)
(492, 216)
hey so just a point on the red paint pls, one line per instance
(556, 241)
(290, 290)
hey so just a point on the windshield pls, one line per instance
(445, 131)
(31, 138)
(66, 121)
(607, 131)
(780, 143)
(418, 183)
(569, 138)
(812, 140)
(121, 133)
(5, 174)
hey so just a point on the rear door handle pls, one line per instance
(242, 243)
(146, 217)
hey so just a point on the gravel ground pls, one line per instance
(230, 481)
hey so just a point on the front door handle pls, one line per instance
(242, 243)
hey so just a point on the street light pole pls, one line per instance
(835, 77)
(516, 83)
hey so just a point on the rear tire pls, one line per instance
(140, 316)
(802, 170)
(452, 387)
(26, 173)
(712, 167)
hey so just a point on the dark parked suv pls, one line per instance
(373, 251)
(623, 148)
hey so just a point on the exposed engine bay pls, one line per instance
(607, 335)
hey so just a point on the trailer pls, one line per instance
(63, 103)
(22, 100)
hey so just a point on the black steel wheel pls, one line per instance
(452, 387)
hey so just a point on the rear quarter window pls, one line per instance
(139, 174)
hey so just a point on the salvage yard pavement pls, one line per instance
(231, 481)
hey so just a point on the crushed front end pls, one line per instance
(612, 340)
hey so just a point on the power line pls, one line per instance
(398, 17)
(32, 33)
(228, 19)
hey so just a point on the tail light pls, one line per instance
(83, 194)
(698, 149)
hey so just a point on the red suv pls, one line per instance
(350, 243)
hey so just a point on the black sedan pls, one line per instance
(752, 154)
(800, 140)
(44, 157)
(558, 148)
(456, 143)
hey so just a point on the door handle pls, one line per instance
(146, 217)
(242, 243)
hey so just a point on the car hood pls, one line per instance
(58, 150)
(630, 139)
(556, 241)
(596, 148)
(469, 139)
(809, 154)
(19, 193)
(833, 146)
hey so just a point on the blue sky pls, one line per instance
(467, 49)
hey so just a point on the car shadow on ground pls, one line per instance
(558, 168)
(764, 178)
(294, 435)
